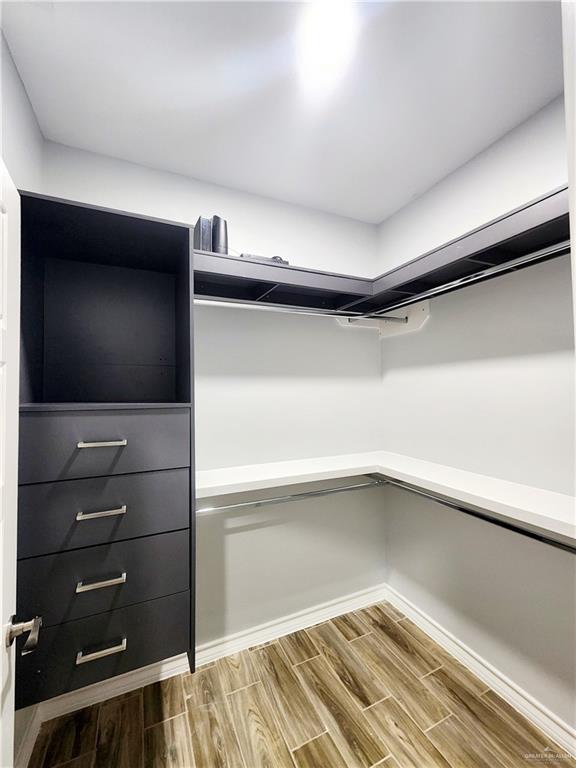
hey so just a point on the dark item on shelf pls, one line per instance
(264, 259)
(219, 235)
(203, 234)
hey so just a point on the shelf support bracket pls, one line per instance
(405, 320)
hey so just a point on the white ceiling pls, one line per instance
(210, 90)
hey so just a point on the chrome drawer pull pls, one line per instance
(82, 587)
(105, 513)
(82, 659)
(103, 444)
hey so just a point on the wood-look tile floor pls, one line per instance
(365, 689)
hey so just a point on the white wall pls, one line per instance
(510, 599)
(259, 564)
(255, 224)
(526, 163)
(488, 386)
(22, 142)
(271, 387)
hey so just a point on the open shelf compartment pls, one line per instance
(105, 307)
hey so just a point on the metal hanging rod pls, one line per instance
(461, 507)
(291, 497)
(499, 269)
(382, 480)
(286, 309)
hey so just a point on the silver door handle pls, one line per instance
(82, 658)
(15, 630)
(89, 586)
(104, 513)
(103, 444)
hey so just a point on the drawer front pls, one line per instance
(61, 587)
(110, 508)
(49, 443)
(152, 631)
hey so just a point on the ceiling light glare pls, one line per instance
(326, 43)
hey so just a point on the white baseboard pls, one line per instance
(558, 730)
(263, 633)
(562, 733)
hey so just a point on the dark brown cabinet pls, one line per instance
(106, 445)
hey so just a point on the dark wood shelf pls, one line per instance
(35, 407)
(535, 232)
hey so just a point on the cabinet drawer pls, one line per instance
(75, 584)
(60, 445)
(110, 508)
(152, 631)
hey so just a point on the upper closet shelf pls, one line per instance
(544, 514)
(533, 233)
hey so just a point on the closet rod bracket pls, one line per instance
(406, 320)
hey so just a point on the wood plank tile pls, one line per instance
(260, 739)
(350, 626)
(348, 727)
(402, 737)
(297, 718)
(509, 744)
(395, 639)
(263, 645)
(319, 753)
(349, 668)
(70, 736)
(298, 647)
(163, 700)
(236, 671)
(120, 730)
(399, 681)
(168, 744)
(535, 739)
(203, 687)
(462, 745)
(40, 747)
(85, 761)
(473, 683)
(434, 649)
(214, 741)
(391, 610)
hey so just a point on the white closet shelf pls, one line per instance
(534, 509)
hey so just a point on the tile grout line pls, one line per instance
(285, 655)
(142, 738)
(390, 696)
(73, 759)
(431, 672)
(237, 690)
(228, 711)
(488, 690)
(397, 657)
(448, 716)
(308, 741)
(187, 715)
(166, 720)
(299, 663)
(99, 712)
(381, 762)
